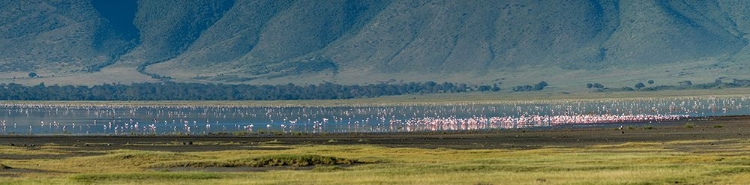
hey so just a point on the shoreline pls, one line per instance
(711, 128)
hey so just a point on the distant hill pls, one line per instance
(565, 42)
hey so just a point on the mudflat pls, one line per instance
(713, 128)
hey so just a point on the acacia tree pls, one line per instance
(639, 85)
(540, 86)
(598, 86)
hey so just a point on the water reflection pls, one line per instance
(23, 119)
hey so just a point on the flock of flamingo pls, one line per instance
(193, 120)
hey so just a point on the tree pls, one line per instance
(686, 83)
(495, 88)
(598, 86)
(639, 85)
(650, 81)
(485, 88)
(32, 74)
(589, 85)
(540, 86)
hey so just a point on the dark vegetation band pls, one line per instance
(196, 91)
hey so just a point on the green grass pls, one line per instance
(689, 125)
(684, 162)
(157, 176)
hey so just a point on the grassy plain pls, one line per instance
(627, 163)
(706, 152)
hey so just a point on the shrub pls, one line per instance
(293, 160)
(689, 125)
(639, 85)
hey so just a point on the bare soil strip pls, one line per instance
(719, 128)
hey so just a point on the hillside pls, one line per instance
(565, 42)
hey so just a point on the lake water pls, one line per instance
(36, 119)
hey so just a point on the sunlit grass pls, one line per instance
(31, 151)
(625, 163)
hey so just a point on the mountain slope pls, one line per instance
(352, 41)
(59, 37)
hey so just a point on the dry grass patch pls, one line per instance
(37, 150)
(113, 161)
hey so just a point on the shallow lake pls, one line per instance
(39, 119)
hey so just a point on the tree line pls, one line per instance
(682, 85)
(198, 91)
(537, 87)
